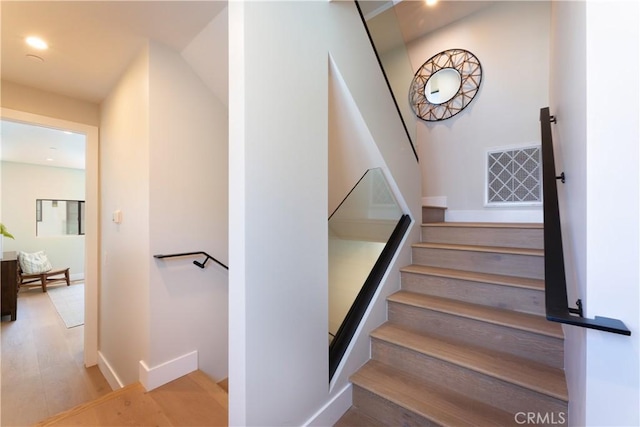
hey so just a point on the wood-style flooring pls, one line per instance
(42, 372)
(192, 400)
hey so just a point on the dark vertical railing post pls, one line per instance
(554, 272)
(555, 284)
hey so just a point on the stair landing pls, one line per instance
(191, 400)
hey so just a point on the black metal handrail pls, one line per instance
(555, 285)
(199, 264)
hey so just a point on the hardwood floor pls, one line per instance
(42, 372)
(192, 400)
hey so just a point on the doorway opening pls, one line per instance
(91, 231)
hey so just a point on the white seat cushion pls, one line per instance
(34, 263)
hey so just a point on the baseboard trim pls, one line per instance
(490, 215)
(335, 408)
(163, 373)
(109, 373)
(76, 276)
(436, 201)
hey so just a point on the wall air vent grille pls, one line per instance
(514, 177)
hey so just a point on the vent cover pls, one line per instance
(514, 176)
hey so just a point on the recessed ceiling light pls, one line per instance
(431, 2)
(49, 159)
(37, 43)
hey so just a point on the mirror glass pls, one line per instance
(442, 85)
(59, 217)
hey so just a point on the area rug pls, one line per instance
(69, 303)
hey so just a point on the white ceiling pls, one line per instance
(392, 22)
(90, 45)
(92, 42)
(25, 143)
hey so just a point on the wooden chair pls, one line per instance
(43, 279)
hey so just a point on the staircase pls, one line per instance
(466, 341)
(194, 400)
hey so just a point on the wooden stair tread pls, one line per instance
(522, 321)
(496, 279)
(63, 417)
(442, 406)
(521, 225)
(473, 248)
(356, 418)
(529, 374)
(224, 384)
(213, 389)
(193, 399)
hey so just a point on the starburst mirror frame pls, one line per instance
(470, 70)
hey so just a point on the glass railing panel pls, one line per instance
(381, 20)
(358, 232)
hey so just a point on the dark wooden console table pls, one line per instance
(9, 284)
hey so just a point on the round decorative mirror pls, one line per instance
(445, 85)
(442, 86)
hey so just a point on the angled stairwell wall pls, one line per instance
(163, 154)
(279, 137)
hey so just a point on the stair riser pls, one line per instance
(532, 346)
(501, 237)
(385, 411)
(484, 262)
(431, 214)
(507, 297)
(501, 394)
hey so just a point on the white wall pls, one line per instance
(278, 367)
(24, 98)
(352, 150)
(164, 166)
(568, 102)
(613, 211)
(188, 211)
(511, 40)
(126, 256)
(395, 60)
(207, 54)
(22, 185)
(400, 72)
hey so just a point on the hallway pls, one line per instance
(42, 364)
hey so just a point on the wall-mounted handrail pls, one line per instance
(556, 301)
(199, 264)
